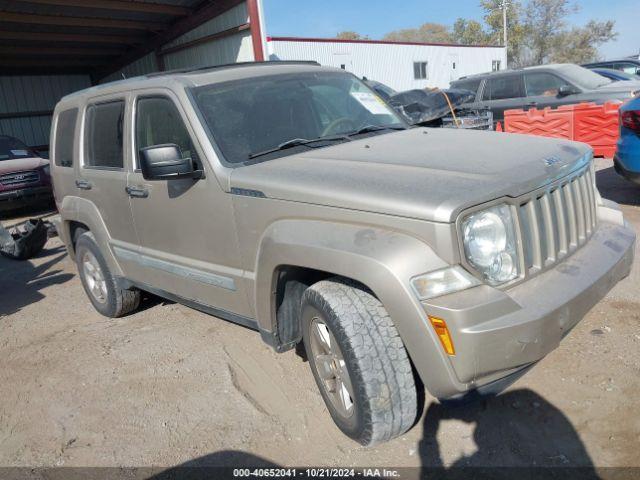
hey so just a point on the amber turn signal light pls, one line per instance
(442, 331)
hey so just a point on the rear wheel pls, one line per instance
(101, 288)
(358, 361)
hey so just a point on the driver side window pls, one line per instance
(158, 121)
(543, 84)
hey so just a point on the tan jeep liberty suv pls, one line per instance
(288, 198)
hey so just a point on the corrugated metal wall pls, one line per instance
(142, 66)
(35, 94)
(392, 64)
(234, 48)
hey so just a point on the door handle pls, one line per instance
(83, 184)
(137, 192)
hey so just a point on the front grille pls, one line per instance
(558, 221)
(19, 178)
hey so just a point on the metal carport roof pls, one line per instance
(98, 37)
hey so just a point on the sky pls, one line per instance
(325, 18)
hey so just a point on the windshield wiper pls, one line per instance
(376, 128)
(296, 142)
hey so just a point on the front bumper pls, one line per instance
(498, 333)
(12, 198)
(622, 170)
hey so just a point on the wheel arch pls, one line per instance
(80, 214)
(383, 261)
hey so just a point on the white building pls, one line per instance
(402, 66)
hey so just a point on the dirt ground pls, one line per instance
(169, 385)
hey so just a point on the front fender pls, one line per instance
(383, 260)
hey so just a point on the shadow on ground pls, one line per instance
(616, 188)
(21, 282)
(517, 435)
(518, 429)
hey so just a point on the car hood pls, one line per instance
(623, 86)
(21, 164)
(425, 173)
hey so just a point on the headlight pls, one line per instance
(443, 282)
(490, 244)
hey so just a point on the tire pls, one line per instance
(383, 391)
(111, 300)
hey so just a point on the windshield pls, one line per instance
(583, 77)
(261, 114)
(12, 148)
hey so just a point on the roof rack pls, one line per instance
(232, 65)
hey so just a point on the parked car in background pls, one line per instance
(24, 176)
(628, 65)
(616, 75)
(435, 107)
(627, 157)
(289, 198)
(540, 87)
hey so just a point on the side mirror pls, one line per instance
(165, 162)
(566, 90)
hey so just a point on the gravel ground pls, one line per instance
(169, 385)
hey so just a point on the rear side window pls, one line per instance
(471, 85)
(103, 135)
(65, 133)
(503, 87)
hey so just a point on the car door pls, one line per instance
(102, 173)
(502, 92)
(543, 90)
(188, 244)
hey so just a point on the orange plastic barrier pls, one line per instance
(556, 123)
(597, 125)
(594, 124)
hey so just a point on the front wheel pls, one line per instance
(98, 282)
(358, 361)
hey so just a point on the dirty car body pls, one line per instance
(298, 187)
(435, 107)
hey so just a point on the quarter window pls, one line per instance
(420, 70)
(503, 87)
(158, 122)
(543, 84)
(103, 136)
(65, 134)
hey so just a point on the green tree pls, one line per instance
(349, 35)
(469, 32)
(545, 20)
(580, 44)
(426, 33)
(493, 18)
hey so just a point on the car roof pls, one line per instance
(194, 77)
(551, 66)
(614, 60)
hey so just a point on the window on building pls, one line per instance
(495, 65)
(420, 71)
(103, 138)
(343, 66)
(65, 134)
